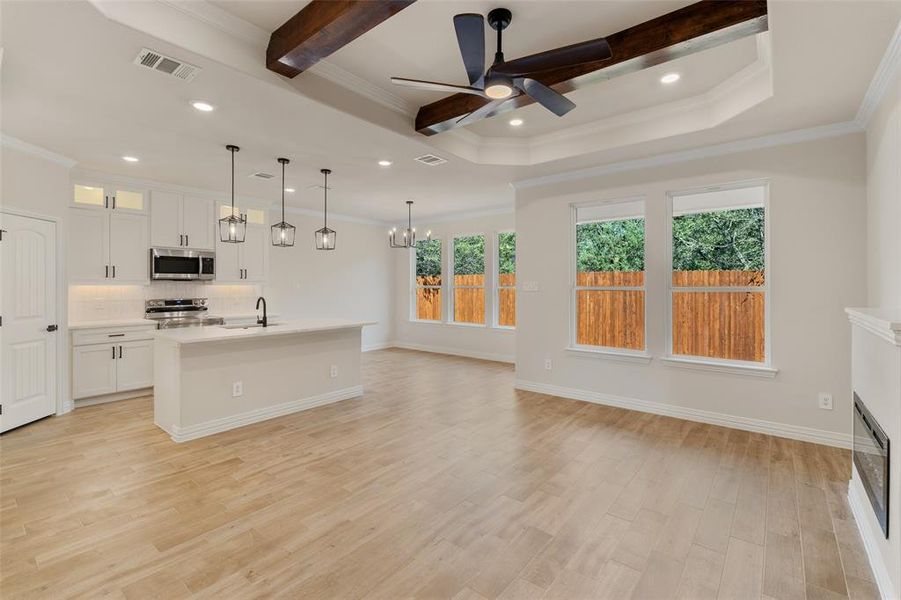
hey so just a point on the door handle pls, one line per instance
(52, 327)
(120, 351)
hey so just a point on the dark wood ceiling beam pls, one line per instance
(682, 32)
(321, 28)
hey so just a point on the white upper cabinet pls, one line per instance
(254, 253)
(249, 260)
(177, 221)
(108, 247)
(100, 196)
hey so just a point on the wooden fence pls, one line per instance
(726, 325)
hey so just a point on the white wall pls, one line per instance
(884, 200)
(35, 185)
(817, 223)
(354, 281)
(468, 340)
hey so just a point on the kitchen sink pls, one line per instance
(249, 326)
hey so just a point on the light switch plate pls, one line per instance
(333, 371)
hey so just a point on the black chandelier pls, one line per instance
(408, 235)
(283, 233)
(325, 237)
(232, 228)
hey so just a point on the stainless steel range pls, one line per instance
(179, 312)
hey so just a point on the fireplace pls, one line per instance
(871, 457)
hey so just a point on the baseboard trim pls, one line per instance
(115, 397)
(860, 508)
(192, 432)
(795, 432)
(377, 346)
(504, 358)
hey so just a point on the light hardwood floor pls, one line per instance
(442, 482)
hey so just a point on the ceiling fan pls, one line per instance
(507, 79)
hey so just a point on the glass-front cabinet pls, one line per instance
(102, 196)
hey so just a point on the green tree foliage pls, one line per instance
(724, 240)
(506, 252)
(469, 255)
(610, 245)
(428, 258)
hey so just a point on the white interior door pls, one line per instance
(28, 307)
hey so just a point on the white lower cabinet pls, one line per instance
(111, 360)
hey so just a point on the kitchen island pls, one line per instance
(212, 379)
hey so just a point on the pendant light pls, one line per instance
(283, 233)
(325, 237)
(232, 228)
(408, 236)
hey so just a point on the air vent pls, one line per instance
(152, 59)
(431, 160)
(262, 175)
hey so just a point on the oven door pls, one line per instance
(173, 264)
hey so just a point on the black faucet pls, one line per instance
(264, 321)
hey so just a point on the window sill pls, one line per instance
(504, 327)
(642, 358)
(720, 367)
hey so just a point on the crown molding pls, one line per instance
(221, 19)
(889, 67)
(505, 209)
(744, 145)
(361, 87)
(8, 141)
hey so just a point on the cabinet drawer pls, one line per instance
(112, 335)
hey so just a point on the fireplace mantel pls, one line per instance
(876, 378)
(884, 322)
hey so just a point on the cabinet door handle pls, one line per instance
(181, 239)
(114, 202)
(114, 353)
(106, 202)
(106, 271)
(187, 243)
(114, 271)
(116, 335)
(120, 351)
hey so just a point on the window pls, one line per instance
(718, 286)
(469, 279)
(506, 279)
(428, 280)
(609, 291)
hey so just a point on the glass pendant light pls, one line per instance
(408, 235)
(233, 227)
(283, 233)
(325, 237)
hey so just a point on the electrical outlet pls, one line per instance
(825, 401)
(237, 389)
(333, 371)
(530, 286)
(548, 364)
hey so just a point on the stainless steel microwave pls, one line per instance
(179, 264)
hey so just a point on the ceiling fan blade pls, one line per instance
(552, 100)
(481, 113)
(434, 86)
(576, 54)
(470, 29)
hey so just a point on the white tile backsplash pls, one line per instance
(115, 302)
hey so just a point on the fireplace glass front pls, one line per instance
(871, 457)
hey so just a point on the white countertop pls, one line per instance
(194, 335)
(110, 323)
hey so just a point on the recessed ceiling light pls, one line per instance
(289, 190)
(203, 106)
(516, 122)
(130, 158)
(385, 163)
(670, 78)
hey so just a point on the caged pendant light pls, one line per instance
(232, 228)
(283, 233)
(408, 235)
(325, 237)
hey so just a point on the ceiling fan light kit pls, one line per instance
(507, 79)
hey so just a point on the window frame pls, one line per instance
(764, 368)
(612, 352)
(414, 287)
(452, 286)
(496, 279)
